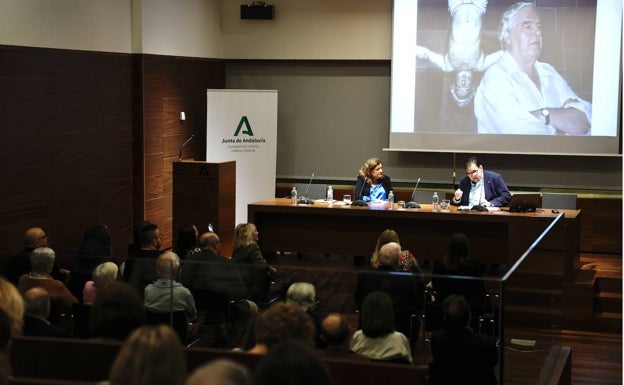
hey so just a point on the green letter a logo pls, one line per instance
(247, 131)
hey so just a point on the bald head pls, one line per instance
(168, 265)
(37, 301)
(209, 240)
(389, 254)
(335, 329)
(35, 237)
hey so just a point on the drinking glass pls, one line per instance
(346, 199)
(444, 205)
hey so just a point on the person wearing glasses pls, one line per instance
(481, 187)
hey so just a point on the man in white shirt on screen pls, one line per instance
(521, 95)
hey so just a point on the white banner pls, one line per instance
(242, 126)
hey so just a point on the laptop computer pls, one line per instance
(525, 203)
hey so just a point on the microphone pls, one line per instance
(360, 202)
(413, 204)
(480, 207)
(184, 144)
(304, 200)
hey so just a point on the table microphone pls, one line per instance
(360, 202)
(412, 204)
(184, 144)
(480, 207)
(304, 200)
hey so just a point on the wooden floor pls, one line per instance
(596, 356)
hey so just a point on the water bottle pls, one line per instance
(330, 194)
(293, 196)
(434, 201)
(391, 200)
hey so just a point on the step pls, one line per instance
(537, 297)
(608, 302)
(609, 284)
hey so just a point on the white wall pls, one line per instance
(302, 29)
(305, 29)
(93, 25)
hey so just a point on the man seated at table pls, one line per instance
(481, 187)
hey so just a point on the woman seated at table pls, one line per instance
(372, 184)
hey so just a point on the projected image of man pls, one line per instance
(519, 94)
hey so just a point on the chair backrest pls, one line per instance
(82, 317)
(316, 190)
(214, 308)
(177, 320)
(559, 201)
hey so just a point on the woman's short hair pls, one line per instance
(243, 235)
(104, 274)
(303, 294)
(41, 259)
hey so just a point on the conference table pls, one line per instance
(496, 237)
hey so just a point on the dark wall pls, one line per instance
(89, 137)
(66, 134)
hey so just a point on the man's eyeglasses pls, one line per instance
(473, 172)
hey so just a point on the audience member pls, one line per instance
(281, 322)
(103, 274)
(13, 305)
(20, 264)
(457, 262)
(116, 312)
(165, 294)
(37, 301)
(372, 184)
(220, 372)
(292, 362)
(95, 250)
(336, 333)
(377, 337)
(304, 295)
(254, 268)
(139, 269)
(405, 289)
(210, 271)
(407, 262)
(460, 356)
(480, 187)
(5, 348)
(152, 355)
(42, 261)
(186, 242)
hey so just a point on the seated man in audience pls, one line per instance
(304, 295)
(461, 356)
(406, 289)
(165, 294)
(20, 264)
(208, 270)
(221, 371)
(37, 301)
(42, 261)
(139, 269)
(336, 333)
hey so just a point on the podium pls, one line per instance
(205, 193)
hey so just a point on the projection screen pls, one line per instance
(453, 88)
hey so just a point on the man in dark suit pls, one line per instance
(208, 270)
(480, 187)
(461, 356)
(140, 267)
(405, 288)
(37, 301)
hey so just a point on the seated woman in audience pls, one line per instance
(457, 261)
(254, 268)
(152, 355)
(187, 242)
(103, 274)
(304, 295)
(377, 337)
(407, 262)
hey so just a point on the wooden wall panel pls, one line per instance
(66, 132)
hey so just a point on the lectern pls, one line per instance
(205, 193)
